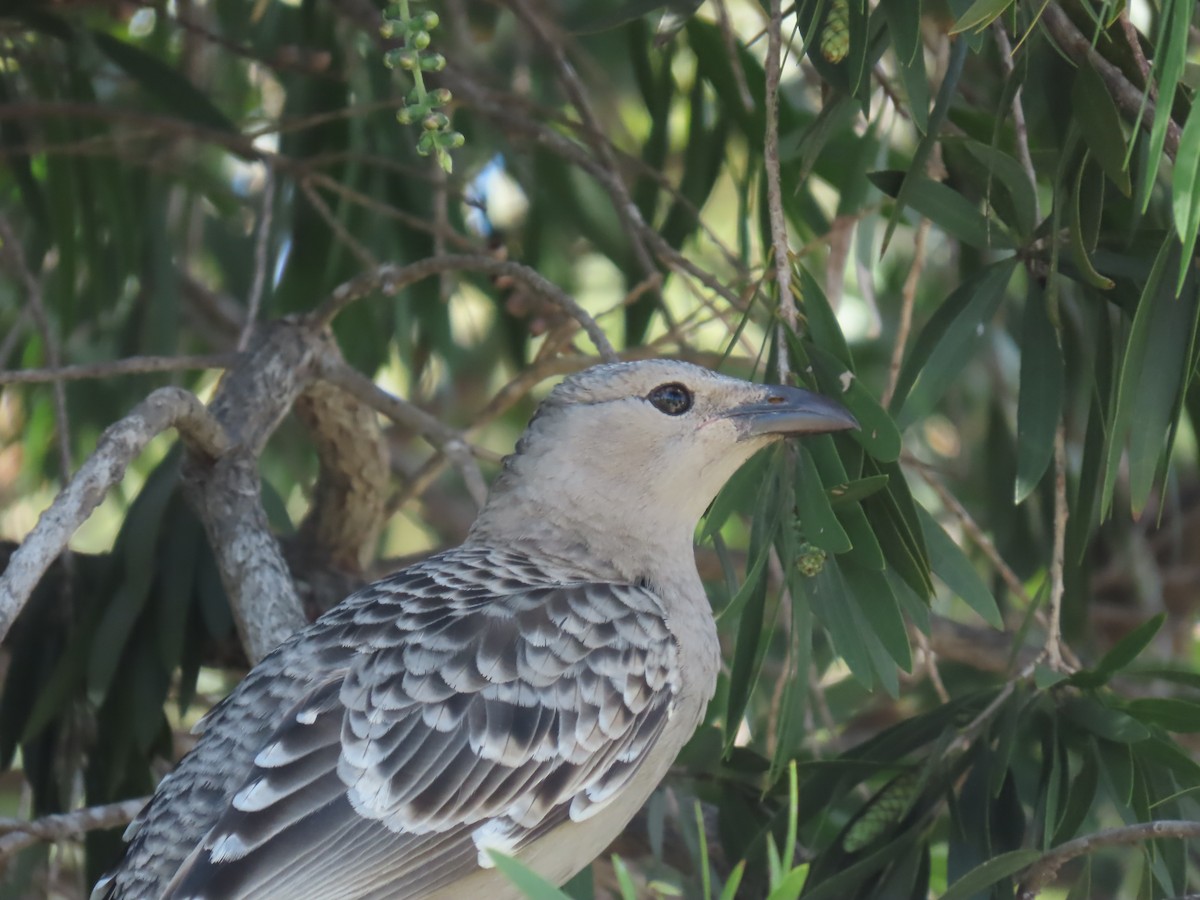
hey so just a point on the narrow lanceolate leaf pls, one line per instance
(534, 886)
(1006, 174)
(1040, 398)
(1169, 61)
(941, 108)
(950, 564)
(1185, 192)
(980, 15)
(163, 82)
(1153, 372)
(949, 341)
(991, 872)
(819, 524)
(1130, 368)
(1168, 712)
(1101, 124)
(1130, 646)
(946, 208)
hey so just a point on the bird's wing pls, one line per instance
(473, 716)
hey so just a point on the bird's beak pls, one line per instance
(786, 410)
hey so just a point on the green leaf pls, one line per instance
(1131, 370)
(1168, 712)
(819, 523)
(1153, 372)
(1104, 721)
(991, 872)
(880, 609)
(828, 596)
(1170, 59)
(946, 208)
(904, 27)
(1041, 393)
(951, 565)
(941, 108)
(1185, 192)
(877, 432)
(1129, 647)
(856, 490)
(1086, 206)
(1100, 123)
(167, 84)
(949, 341)
(1013, 178)
(980, 15)
(1080, 800)
(534, 886)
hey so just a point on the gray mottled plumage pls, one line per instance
(524, 692)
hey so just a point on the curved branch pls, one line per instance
(17, 834)
(1042, 872)
(168, 407)
(391, 279)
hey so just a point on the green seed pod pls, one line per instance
(419, 40)
(427, 142)
(440, 97)
(436, 122)
(433, 62)
(810, 560)
(835, 39)
(452, 140)
(408, 60)
(887, 808)
(430, 20)
(405, 116)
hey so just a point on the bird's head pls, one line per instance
(640, 449)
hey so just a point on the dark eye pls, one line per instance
(673, 399)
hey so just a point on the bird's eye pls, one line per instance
(673, 399)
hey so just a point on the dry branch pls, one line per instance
(391, 279)
(1041, 873)
(17, 834)
(168, 407)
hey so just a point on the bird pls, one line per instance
(524, 692)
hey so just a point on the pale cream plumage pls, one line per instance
(523, 692)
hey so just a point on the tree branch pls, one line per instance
(1126, 95)
(133, 365)
(17, 834)
(167, 407)
(1041, 873)
(779, 237)
(390, 279)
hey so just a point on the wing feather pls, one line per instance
(471, 710)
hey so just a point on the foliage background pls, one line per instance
(990, 211)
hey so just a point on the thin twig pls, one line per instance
(1061, 514)
(626, 209)
(17, 834)
(735, 60)
(261, 245)
(907, 300)
(1018, 113)
(119, 445)
(1042, 872)
(364, 256)
(929, 658)
(441, 436)
(133, 365)
(779, 237)
(11, 248)
(390, 279)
